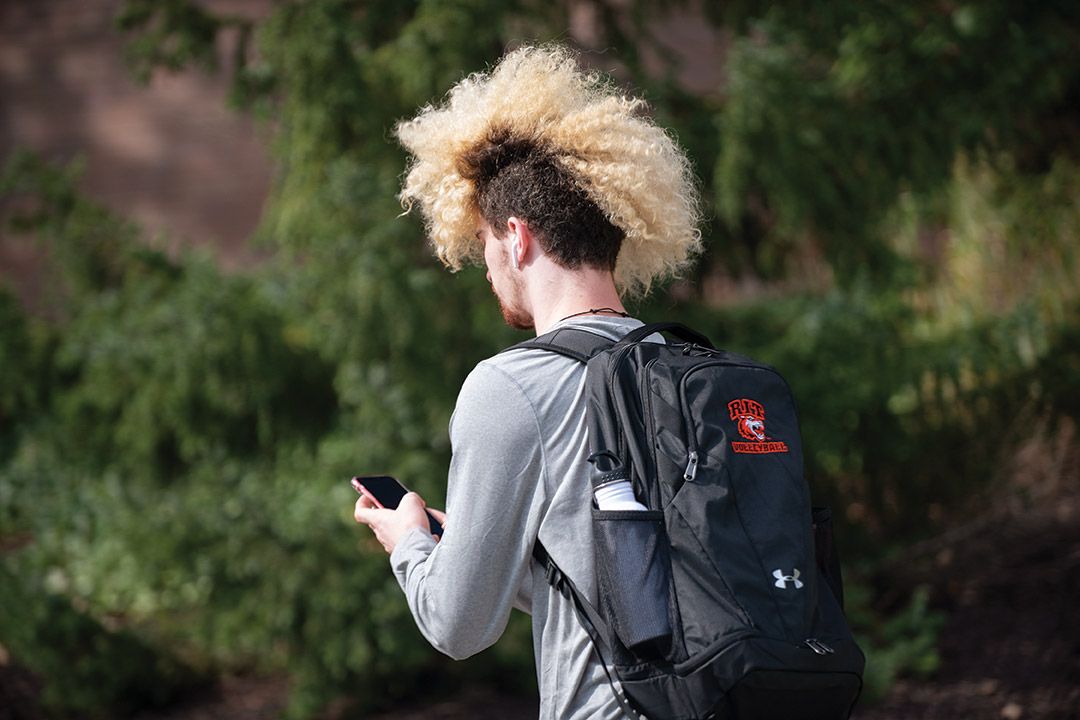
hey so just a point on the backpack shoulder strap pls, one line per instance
(675, 328)
(589, 619)
(577, 343)
(581, 345)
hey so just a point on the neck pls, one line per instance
(597, 311)
(573, 293)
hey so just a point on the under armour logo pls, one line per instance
(782, 580)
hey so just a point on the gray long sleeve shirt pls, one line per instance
(519, 471)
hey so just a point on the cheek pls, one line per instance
(494, 260)
(491, 256)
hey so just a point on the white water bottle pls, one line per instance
(618, 495)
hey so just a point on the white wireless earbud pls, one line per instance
(514, 248)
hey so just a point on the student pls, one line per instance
(574, 200)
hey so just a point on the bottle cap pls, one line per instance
(617, 496)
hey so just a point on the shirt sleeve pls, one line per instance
(461, 589)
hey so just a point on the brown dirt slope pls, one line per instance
(1011, 645)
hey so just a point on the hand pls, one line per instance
(390, 525)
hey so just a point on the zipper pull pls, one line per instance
(819, 647)
(691, 467)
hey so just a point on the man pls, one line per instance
(573, 200)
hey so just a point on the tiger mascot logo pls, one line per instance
(750, 421)
(750, 416)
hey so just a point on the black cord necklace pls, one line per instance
(597, 311)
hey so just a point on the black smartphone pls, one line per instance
(386, 492)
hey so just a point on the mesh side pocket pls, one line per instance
(634, 574)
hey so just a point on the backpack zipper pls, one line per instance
(691, 440)
(691, 467)
(819, 647)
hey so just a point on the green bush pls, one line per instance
(903, 644)
(87, 668)
(16, 375)
(186, 476)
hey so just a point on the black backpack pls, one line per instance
(724, 598)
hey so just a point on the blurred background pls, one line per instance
(212, 315)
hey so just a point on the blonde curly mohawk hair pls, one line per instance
(635, 174)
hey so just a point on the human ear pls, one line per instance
(520, 246)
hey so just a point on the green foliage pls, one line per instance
(88, 245)
(170, 34)
(188, 471)
(833, 111)
(235, 408)
(17, 396)
(901, 645)
(89, 668)
(161, 363)
(1059, 375)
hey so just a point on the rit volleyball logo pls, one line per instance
(749, 417)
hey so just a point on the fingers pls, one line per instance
(389, 525)
(375, 518)
(365, 511)
(414, 505)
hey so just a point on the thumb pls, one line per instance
(412, 501)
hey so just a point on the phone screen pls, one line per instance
(383, 489)
(387, 492)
